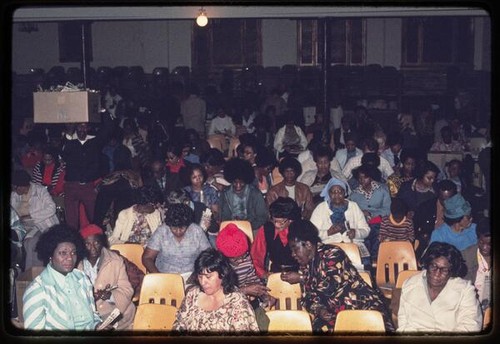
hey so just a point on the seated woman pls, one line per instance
(341, 220)
(107, 273)
(49, 302)
(233, 243)
(174, 246)
(50, 172)
(137, 223)
(373, 198)
(403, 174)
(214, 305)
(199, 191)
(36, 210)
(438, 299)
(290, 169)
(329, 280)
(420, 189)
(242, 200)
(213, 162)
(271, 240)
(290, 139)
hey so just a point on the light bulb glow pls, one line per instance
(202, 19)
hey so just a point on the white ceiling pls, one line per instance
(46, 13)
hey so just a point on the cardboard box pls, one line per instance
(66, 107)
(22, 282)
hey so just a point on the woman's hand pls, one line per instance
(291, 277)
(351, 233)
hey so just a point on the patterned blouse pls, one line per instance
(140, 232)
(235, 315)
(331, 282)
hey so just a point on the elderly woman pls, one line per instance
(374, 200)
(271, 241)
(61, 297)
(107, 273)
(341, 220)
(242, 200)
(329, 281)
(36, 210)
(137, 223)
(214, 305)
(174, 246)
(438, 299)
(290, 169)
(457, 229)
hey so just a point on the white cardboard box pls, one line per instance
(66, 107)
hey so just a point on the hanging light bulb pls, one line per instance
(202, 19)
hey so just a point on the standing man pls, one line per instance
(83, 169)
(194, 111)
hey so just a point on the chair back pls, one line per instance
(162, 288)
(359, 320)
(244, 225)
(366, 277)
(287, 295)
(404, 275)
(351, 250)
(234, 142)
(132, 252)
(289, 321)
(393, 257)
(487, 318)
(152, 316)
(217, 141)
(276, 175)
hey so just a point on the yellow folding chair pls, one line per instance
(217, 141)
(366, 276)
(393, 257)
(132, 252)
(351, 250)
(244, 225)
(359, 320)
(152, 316)
(289, 321)
(287, 295)
(162, 288)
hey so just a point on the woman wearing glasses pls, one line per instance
(271, 240)
(438, 299)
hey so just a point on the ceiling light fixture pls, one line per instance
(202, 19)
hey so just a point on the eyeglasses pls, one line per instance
(442, 269)
(279, 221)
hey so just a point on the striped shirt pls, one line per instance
(390, 230)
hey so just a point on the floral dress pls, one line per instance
(331, 282)
(235, 315)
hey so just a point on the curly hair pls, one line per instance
(370, 158)
(237, 168)
(424, 167)
(186, 172)
(211, 260)
(289, 162)
(285, 208)
(179, 215)
(178, 196)
(212, 157)
(369, 171)
(20, 178)
(147, 194)
(448, 251)
(266, 158)
(303, 230)
(56, 235)
(322, 151)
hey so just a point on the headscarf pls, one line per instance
(333, 181)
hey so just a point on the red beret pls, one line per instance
(232, 241)
(89, 230)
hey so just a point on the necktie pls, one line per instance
(396, 160)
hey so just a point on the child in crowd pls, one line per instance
(397, 226)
